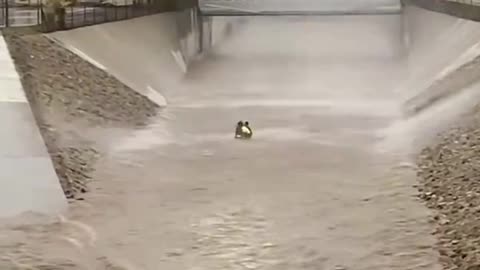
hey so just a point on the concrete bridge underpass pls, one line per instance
(298, 8)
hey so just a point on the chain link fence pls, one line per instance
(90, 13)
(19, 12)
(54, 15)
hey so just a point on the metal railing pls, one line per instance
(88, 13)
(82, 13)
(469, 2)
(19, 12)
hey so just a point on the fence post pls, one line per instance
(38, 12)
(127, 6)
(105, 14)
(199, 25)
(7, 19)
(60, 14)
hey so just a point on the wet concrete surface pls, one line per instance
(27, 176)
(309, 191)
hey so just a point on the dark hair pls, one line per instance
(246, 123)
(240, 123)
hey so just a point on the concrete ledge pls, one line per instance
(460, 10)
(28, 182)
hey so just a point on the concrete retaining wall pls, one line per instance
(456, 9)
(197, 33)
(439, 44)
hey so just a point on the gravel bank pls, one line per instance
(64, 90)
(449, 174)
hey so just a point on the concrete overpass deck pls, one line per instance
(226, 13)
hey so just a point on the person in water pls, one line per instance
(247, 130)
(243, 130)
(238, 130)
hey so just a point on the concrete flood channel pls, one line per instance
(319, 186)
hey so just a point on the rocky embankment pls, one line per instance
(449, 175)
(64, 90)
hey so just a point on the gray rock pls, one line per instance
(449, 183)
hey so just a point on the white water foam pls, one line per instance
(359, 106)
(415, 132)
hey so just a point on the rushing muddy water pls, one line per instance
(314, 189)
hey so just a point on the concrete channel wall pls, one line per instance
(28, 182)
(460, 10)
(197, 33)
(431, 68)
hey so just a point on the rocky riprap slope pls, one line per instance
(449, 175)
(63, 89)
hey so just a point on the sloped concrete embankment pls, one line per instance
(151, 41)
(448, 167)
(27, 178)
(169, 43)
(459, 9)
(440, 75)
(74, 103)
(442, 55)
